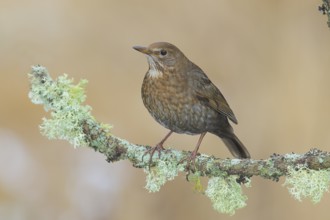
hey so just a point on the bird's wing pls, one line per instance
(209, 94)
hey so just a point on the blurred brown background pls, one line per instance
(271, 60)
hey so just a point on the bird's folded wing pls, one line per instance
(209, 94)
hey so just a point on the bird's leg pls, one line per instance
(191, 159)
(159, 147)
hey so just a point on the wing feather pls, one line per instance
(209, 94)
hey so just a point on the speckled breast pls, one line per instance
(172, 105)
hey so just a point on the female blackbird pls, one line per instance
(179, 96)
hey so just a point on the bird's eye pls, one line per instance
(163, 52)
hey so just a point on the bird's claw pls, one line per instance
(159, 148)
(191, 163)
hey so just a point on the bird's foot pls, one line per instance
(190, 163)
(159, 148)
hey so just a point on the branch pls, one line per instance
(73, 122)
(325, 9)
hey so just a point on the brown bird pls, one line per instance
(179, 96)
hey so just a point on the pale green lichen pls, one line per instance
(226, 194)
(235, 161)
(292, 156)
(195, 178)
(303, 182)
(157, 176)
(64, 100)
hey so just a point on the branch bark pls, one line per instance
(272, 168)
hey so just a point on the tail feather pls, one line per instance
(235, 146)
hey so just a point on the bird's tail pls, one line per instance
(234, 145)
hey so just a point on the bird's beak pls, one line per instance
(141, 49)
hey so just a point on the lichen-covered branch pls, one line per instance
(325, 9)
(72, 121)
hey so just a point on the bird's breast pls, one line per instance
(171, 103)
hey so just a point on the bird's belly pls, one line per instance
(181, 113)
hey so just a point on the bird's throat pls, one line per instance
(154, 68)
(154, 73)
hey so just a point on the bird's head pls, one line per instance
(162, 56)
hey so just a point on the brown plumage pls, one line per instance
(179, 95)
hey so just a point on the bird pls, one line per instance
(179, 96)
